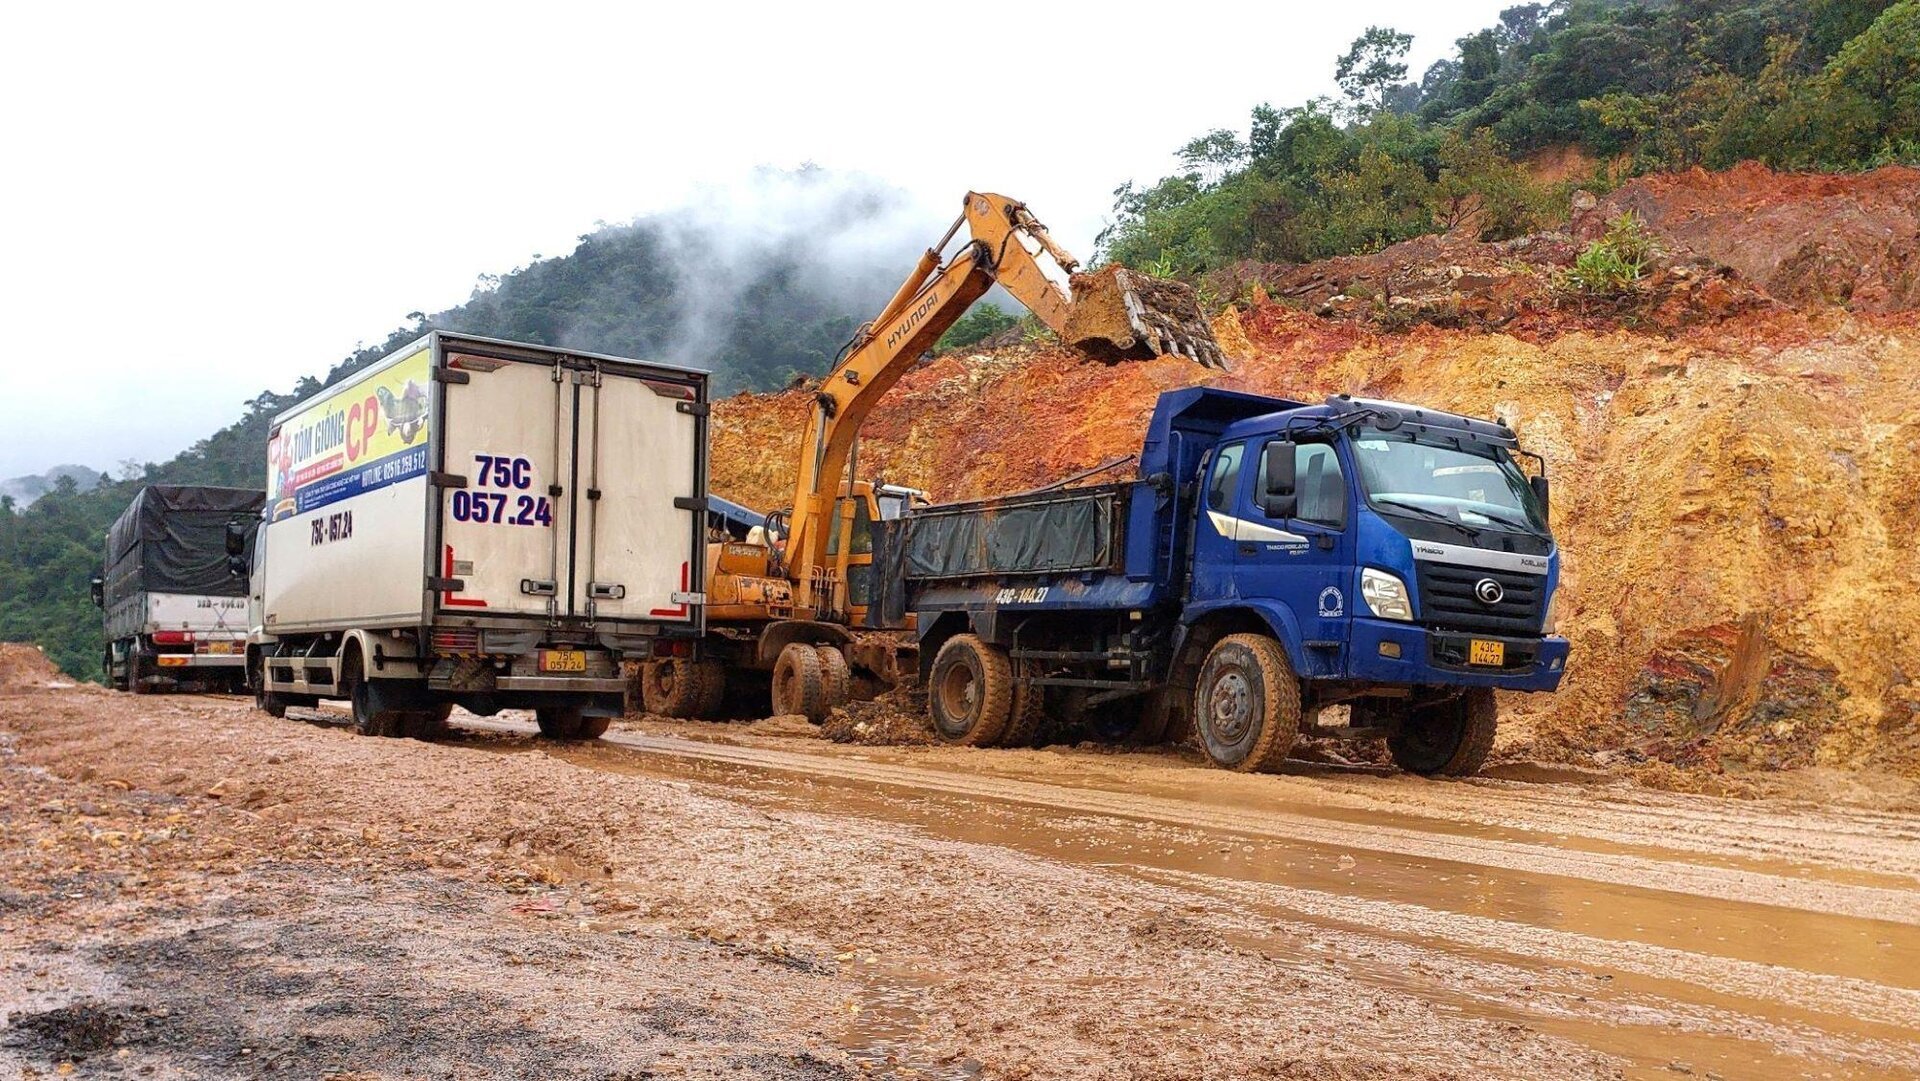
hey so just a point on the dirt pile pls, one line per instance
(1804, 238)
(896, 718)
(24, 667)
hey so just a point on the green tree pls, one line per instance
(1372, 67)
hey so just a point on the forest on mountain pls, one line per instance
(1586, 93)
(1492, 140)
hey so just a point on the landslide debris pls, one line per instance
(1734, 478)
(1804, 238)
(23, 667)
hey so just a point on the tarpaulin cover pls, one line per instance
(173, 539)
(1046, 533)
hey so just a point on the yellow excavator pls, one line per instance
(786, 600)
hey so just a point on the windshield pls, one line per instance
(1430, 475)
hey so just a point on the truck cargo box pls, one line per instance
(166, 560)
(480, 483)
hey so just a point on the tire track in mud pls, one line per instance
(1811, 992)
(1630, 871)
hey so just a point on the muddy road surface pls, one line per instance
(192, 889)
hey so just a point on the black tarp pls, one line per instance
(1067, 531)
(173, 539)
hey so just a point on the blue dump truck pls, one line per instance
(1274, 558)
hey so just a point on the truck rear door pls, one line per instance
(641, 532)
(574, 490)
(506, 522)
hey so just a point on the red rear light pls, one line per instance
(173, 638)
(672, 648)
(456, 641)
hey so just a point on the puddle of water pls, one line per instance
(1808, 941)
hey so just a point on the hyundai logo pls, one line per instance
(1489, 591)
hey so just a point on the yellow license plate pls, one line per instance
(220, 647)
(1481, 651)
(563, 660)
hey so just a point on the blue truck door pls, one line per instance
(1304, 561)
(1213, 535)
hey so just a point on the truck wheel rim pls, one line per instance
(1231, 706)
(958, 693)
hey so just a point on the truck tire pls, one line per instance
(1027, 715)
(385, 723)
(267, 702)
(970, 692)
(1247, 707)
(713, 689)
(838, 675)
(426, 724)
(136, 673)
(1450, 739)
(559, 722)
(800, 683)
(593, 727)
(680, 688)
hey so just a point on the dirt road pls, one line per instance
(188, 888)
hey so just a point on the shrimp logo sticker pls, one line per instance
(358, 439)
(406, 414)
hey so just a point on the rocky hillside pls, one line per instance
(1734, 470)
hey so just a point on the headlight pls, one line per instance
(1551, 624)
(1386, 596)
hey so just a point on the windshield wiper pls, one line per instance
(1524, 527)
(1471, 532)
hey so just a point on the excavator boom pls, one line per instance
(1111, 314)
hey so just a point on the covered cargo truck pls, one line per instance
(1275, 558)
(485, 524)
(175, 614)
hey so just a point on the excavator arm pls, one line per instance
(1007, 246)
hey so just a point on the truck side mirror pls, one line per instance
(1543, 492)
(236, 538)
(97, 589)
(1278, 498)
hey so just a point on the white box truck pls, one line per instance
(174, 615)
(479, 523)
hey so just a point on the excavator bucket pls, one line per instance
(1120, 314)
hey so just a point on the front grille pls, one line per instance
(1448, 600)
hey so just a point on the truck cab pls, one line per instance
(1392, 542)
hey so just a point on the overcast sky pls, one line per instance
(199, 202)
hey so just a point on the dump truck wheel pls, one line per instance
(677, 688)
(970, 692)
(839, 676)
(1451, 739)
(1028, 714)
(559, 722)
(594, 727)
(1247, 707)
(800, 683)
(135, 674)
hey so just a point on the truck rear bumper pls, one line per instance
(1384, 651)
(566, 684)
(177, 661)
